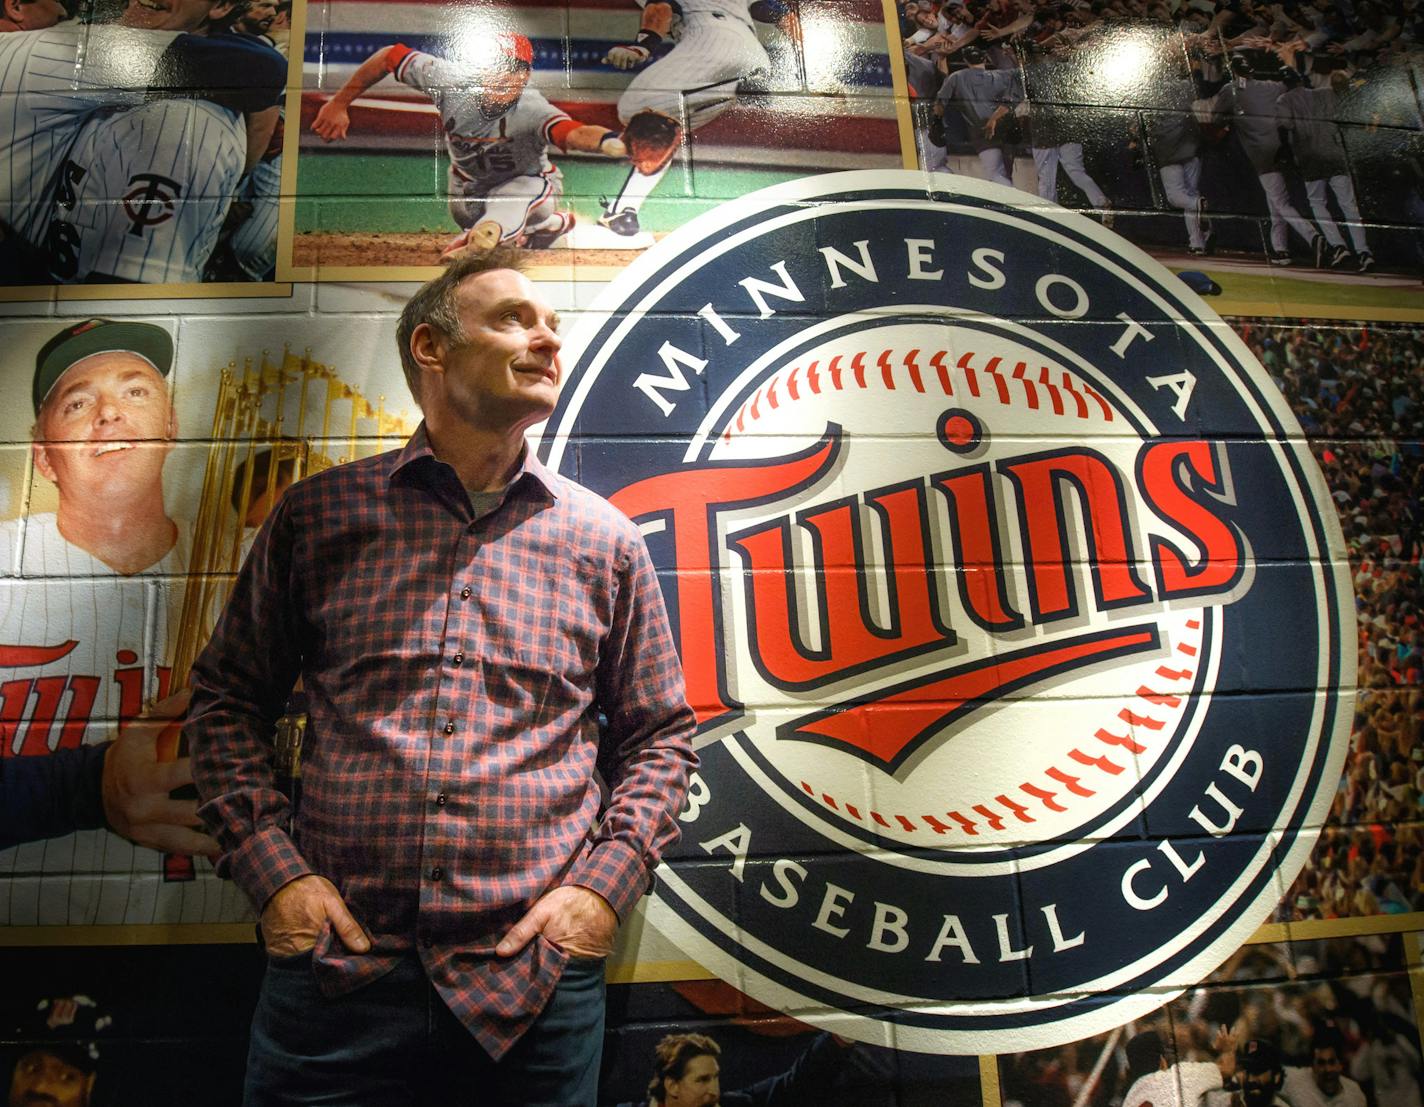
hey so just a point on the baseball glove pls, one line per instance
(651, 138)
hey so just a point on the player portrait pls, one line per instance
(135, 472)
(572, 131)
(131, 161)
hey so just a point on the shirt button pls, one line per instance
(464, 593)
(441, 799)
(458, 659)
(449, 728)
(437, 874)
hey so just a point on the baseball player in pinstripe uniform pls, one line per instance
(691, 56)
(143, 193)
(502, 186)
(1309, 114)
(57, 80)
(85, 630)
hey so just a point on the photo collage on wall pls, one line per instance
(262, 181)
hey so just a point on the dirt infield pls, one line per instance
(376, 250)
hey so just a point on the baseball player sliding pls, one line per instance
(691, 56)
(502, 186)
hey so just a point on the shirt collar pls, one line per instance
(418, 447)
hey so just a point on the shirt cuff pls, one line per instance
(265, 862)
(615, 870)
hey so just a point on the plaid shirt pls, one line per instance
(454, 669)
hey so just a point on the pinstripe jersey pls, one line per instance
(82, 650)
(486, 149)
(455, 669)
(50, 82)
(173, 167)
(695, 11)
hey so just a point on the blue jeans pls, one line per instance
(394, 1043)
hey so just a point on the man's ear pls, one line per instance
(427, 347)
(41, 455)
(222, 10)
(12, 10)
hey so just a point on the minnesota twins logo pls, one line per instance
(1011, 602)
(150, 200)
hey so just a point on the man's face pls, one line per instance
(34, 15)
(173, 15)
(505, 376)
(257, 19)
(1326, 1065)
(1258, 1089)
(106, 427)
(43, 1080)
(500, 87)
(699, 1086)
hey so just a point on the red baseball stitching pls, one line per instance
(980, 381)
(1140, 724)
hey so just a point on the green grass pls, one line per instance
(405, 193)
(1243, 293)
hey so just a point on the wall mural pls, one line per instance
(1047, 580)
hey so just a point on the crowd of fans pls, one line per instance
(1359, 395)
(1342, 996)
(1164, 104)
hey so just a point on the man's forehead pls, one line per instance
(500, 286)
(107, 363)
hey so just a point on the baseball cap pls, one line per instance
(99, 336)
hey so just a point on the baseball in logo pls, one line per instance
(1011, 600)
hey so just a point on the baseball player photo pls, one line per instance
(501, 184)
(123, 159)
(119, 539)
(571, 131)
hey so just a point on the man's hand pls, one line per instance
(293, 918)
(332, 121)
(577, 920)
(631, 56)
(135, 785)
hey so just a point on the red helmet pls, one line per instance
(517, 48)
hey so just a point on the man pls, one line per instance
(1174, 144)
(104, 425)
(1323, 1084)
(1256, 124)
(502, 187)
(1309, 115)
(1056, 126)
(257, 18)
(142, 57)
(60, 1071)
(475, 637)
(30, 15)
(55, 1077)
(1158, 1083)
(984, 98)
(687, 1073)
(691, 57)
(175, 162)
(1261, 1075)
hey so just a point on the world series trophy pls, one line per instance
(273, 424)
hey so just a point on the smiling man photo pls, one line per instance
(497, 746)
